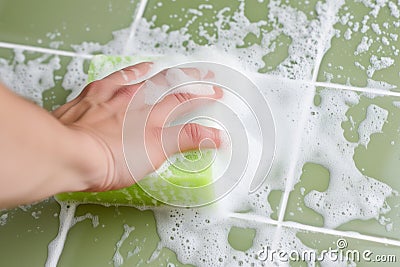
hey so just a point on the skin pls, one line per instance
(79, 146)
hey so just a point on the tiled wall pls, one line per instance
(330, 69)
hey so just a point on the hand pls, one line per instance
(95, 119)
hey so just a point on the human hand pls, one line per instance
(95, 119)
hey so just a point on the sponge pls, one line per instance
(172, 183)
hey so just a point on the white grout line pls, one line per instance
(290, 180)
(253, 218)
(44, 50)
(353, 88)
(355, 235)
(88, 56)
(304, 227)
(128, 50)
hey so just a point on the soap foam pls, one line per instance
(373, 123)
(3, 219)
(29, 78)
(199, 236)
(361, 197)
(286, 20)
(117, 259)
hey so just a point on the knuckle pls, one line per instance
(126, 92)
(193, 131)
(182, 97)
(156, 134)
(93, 86)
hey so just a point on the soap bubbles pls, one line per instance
(200, 177)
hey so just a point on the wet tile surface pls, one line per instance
(365, 48)
(48, 80)
(337, 150)
(27, 230)
(63, 24)
(347, 166)
(277, 37)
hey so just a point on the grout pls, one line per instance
(303, 120)
(358, 89)
(137, 17)
(292, 168)
(312, 83)
(128, 50)
(44, 50)
(253, 218)
(355, 235)
(330, 22)
(304, 227)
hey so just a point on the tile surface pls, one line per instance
(365, 48)
(45, 79)
(278, 37)
(337, 151)
(63, 24)
(350, 146)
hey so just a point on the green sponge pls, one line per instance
(173, 184)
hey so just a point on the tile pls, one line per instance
(125, 236)
(25, 233)
(118, 236)
(364, 51)
(48, 80)
(346, 175)
(306, 248)
(277, 37)
(289, 102)
(62, 24)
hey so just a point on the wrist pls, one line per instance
(91, 159)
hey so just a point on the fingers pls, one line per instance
(106, 88)
(190, 136)
(175, 105)
(119, 81)
(129, 74)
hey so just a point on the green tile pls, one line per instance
(25, 233)
(60, 24)
(306, 248)
(43, 78)
(348, 165)
(98, 244)
(288, 101)
(296, 209)
(265, 36)
(365, 49)
(132, 235)
(341, 251)
(241, 238)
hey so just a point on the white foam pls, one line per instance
(199, 236)
(363, 46)
(380, 85)
(118, 259)
(373, 123)
(3, 219)
(347, 34)
(206, 229)
(378, 64)
(56, 246)
(29, 78)
(296, 26)
(361, 197)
